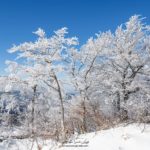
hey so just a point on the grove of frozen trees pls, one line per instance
(55, 89)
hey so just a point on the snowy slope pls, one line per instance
(131, 137)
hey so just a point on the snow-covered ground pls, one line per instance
(131, 137)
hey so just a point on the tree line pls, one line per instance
(54, 88)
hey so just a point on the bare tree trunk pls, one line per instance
(33, 109)
(84, 117)
(62, 108)
(118, 102)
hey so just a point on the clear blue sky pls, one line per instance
(84, 18)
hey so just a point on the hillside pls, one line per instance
(130, 137)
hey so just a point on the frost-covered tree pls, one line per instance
(125, 60)
(83, 74)
(13, 102)
(46, 60)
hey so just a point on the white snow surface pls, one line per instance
(130, 137)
